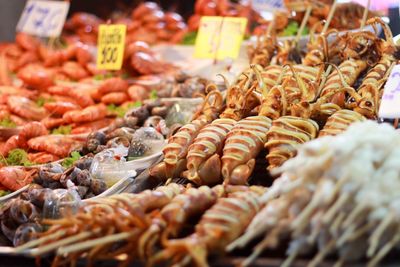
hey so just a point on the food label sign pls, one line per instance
(267, 5)
(220, 37)
(110, 46)
(43, 18)
(390, 103)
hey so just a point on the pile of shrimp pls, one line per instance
(338, 196)
(77, 111)
(147, 22)
(34, 138)
(39, 65)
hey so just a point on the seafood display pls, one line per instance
(295, 102)
(150, 164)
(147, 234)
(147, 22)
(347, 16)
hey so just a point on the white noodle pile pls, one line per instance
(340, 194)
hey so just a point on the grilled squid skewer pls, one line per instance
(219, 226)
(285, 135)
(242, 146)
(203, 161)
(350, 69)
(100, 223)
(340, 121)
(371, 87)
(176, 150)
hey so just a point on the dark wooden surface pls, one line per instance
(223, 262)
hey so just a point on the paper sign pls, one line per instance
(110, 46)
(43, 18)
(267, 5)
(390, 103)
(220, 37)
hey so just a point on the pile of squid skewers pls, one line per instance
(151, 226)
(281, 106)
(321, 201)
(339, 196)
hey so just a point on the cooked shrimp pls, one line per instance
(114, 98)
(31, 130)
(59, 108)
(51, 123)
(26, 108)
(115, 84)
(42, 157)
(88, 114)
(36, 76)
(91, 126)
(74, 70)
(10, 144)
(15, 178)
(55, 144)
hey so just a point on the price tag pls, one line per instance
(390, 103)
(267, 5)
(220, 37)
(43, 18)
(110, 46)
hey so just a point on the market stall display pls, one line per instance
(149, 164)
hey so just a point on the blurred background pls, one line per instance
(10, 10)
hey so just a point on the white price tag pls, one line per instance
(390, 103)
(43, 18)
(267, 5)
(266, 8)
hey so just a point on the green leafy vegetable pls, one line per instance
(68, 162)
(120, 111)
(41, 101)
(7, 123)
(4, 193)
(17, 157)
(292, 28)
(189, 38)
(62, 130)
(105, 76)
(153, 94)
(125, 75)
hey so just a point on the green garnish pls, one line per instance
(4, 193)
(189, 38)
(125, 75)
(292, 28)
(7, 123)
(153, 94)
(100, 77)
(17, 157)
(120, 111)
(41, 101)
(62, 130)
(68, 162)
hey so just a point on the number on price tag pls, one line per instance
(43, 18)
(110, 46)
(220, 37)
(390, 103)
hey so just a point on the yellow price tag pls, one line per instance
(110, 46)
(220, 37)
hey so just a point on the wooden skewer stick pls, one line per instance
(365, 14)
(92, 243)
(330, 16)
(42, 250)
(303, 23)
(37, 242)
